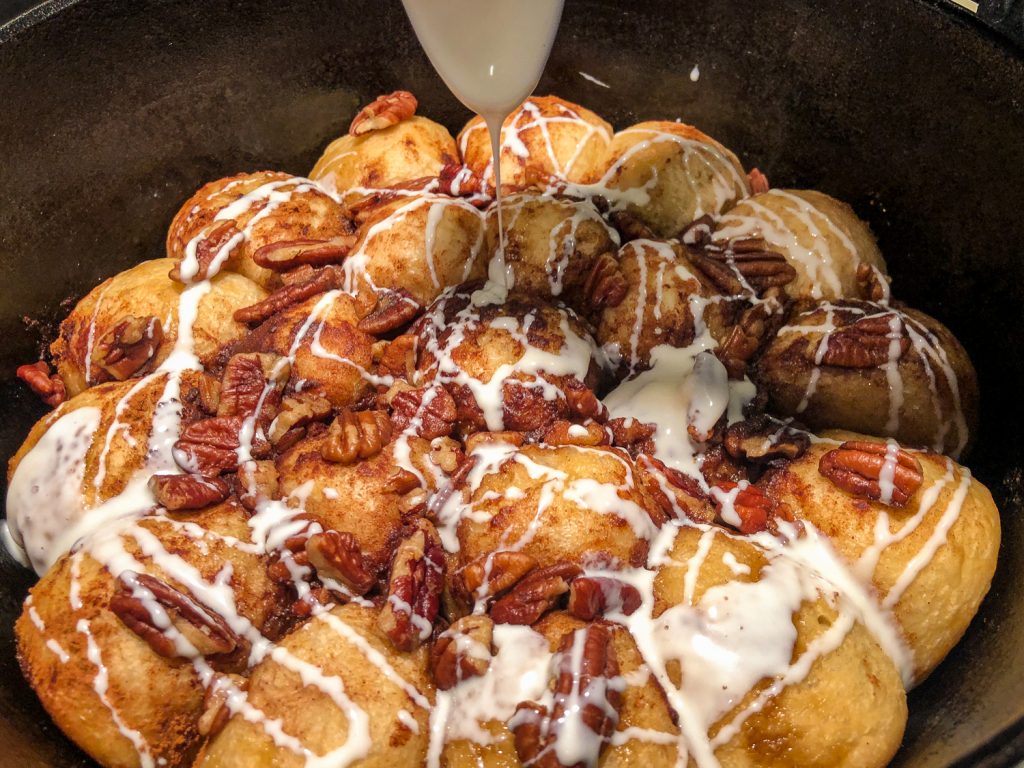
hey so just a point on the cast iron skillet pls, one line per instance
(113, 112)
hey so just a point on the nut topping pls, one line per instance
(216, 713)
(492, 574)
(588, 434)
(758, 182)
(383, 112)
(535, 594)
(462, 651)
(868, 343)
(256, 481)
(631, 226)
(872, 284)
(253, 380)
(336, 555)
(222, 236)
(298, 410)
(414, 589)
(356, 435)
(761, 439)
(427, 412)
(185, 492)
(326, 279)
(878, 471)
(49, 387)
(289, 254)
(605, 286)
(394, 309)
(594, 596)
(749, 509)
(129, 346)
(210, 447)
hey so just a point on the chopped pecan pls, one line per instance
(758, 182)
(744, 339)
(590, 433)
(748, 509)
(383, 112)
(289, 254)
(587, 689)
(139, 593)
(255, 482)
(698, 232)
(298, 410)
(49, 387)
(129, 346)
(215, 244)
(594, 596)
(394, 309)
(878, 471)
(428, 412)
(211, 446)
(336, 555)
(872, 284)
(535, 594)
(326, 279)
(605, 286)
(459, 181)
(203, 390)
(414, 589)
(490, 575)
(398, 358)
(179, 492)
(872, 341)
(446, 454)
(216, 713)
(253, 380)
(635, 436)
(356, 435)
(631, 226)
(462, 651)
(761, 439)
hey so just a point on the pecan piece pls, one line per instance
(129, 346)
(383, 112)
(298, 410)
(605, 286)
(180, 492)
(49, 387)
(211, 446)
(326, 279)
(216, 713)
(414, 589)
(256, 481)
(872, 284)
(462, 651)
(289, 254)
(394, 309)
(398, 357)
(589, 434)
(253, 380)
(631, 226)
(356, 435)
(204, 630)
(748, 509)
(427, 412)
(492, 574)
(758, 182)
(594, 596)
(335, 555)
(635, 436)
(759, 439)
(535, 594)
(215, 244)
(878, 471)
(872, 341)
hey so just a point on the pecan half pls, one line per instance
(326, 279)
(605, 286)
(462, 651)
(205, 631)
(210, 447)
(749, 510)
(878, 471)
(414, 589)
(744, 339)
(761, 439)
(394, 309)
(129, 346)
(459, 181)
(631, 226)
(209, 246)
(868, 343)
(733, 265)
(336, 555)
(594, 596)
(492, 574)
(383, 112)
(180, 492)
(398, 357)
(253, 380)
(356, 435)
(587, 688)
(428, 412)
(49, 387)
(535, 594)
(289, 254)
(298, 410)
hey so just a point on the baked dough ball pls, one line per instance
(143, 293)
(102, 683)
(821, 238)
(931, 561)
(551, 244)
(227, 221)
(422, 243)
(667, 301)
(365, 498)
(547, 137)
(517, 365)
(335, 686)
(329, 354)
(670, 174)
(552, 503)
(415, 148)
(873, 368)
(80, 455)
(729, 618)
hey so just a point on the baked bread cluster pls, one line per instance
(642, 467)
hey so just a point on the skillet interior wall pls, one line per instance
(114, 112)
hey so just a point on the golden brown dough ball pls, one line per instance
(876, 369)
(412, 149)
(546, 137)
(140, 295)
(552, 503)
(227, 221)
(330, 355)
(108, 688)
(821, 238)
(670, 174)
(729, 618)
(519, 364)
(551, 244)
(931, 561)
(336, 687)
(422, 243)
